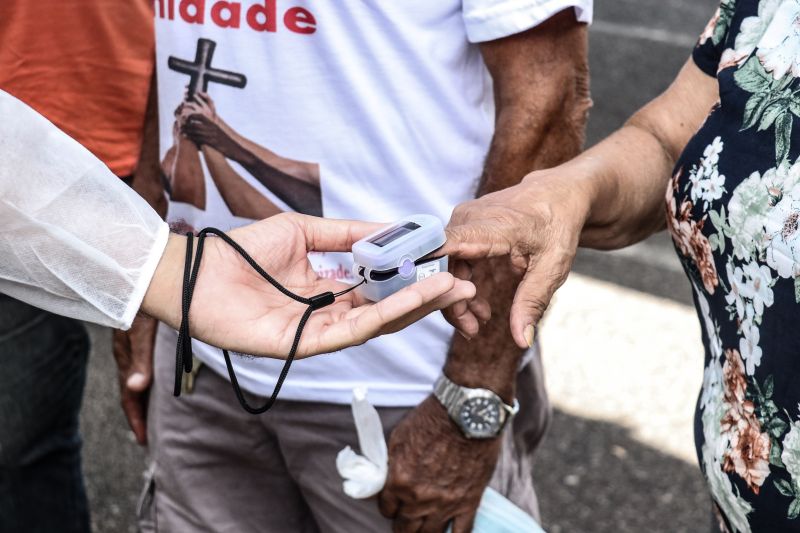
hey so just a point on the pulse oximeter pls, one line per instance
(392, 257)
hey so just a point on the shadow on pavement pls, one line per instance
(593, 476)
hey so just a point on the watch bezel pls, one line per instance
(480, 394)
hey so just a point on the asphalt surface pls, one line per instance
(622, 358)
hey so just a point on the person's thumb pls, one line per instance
(138, 381)
(533, 295)
(141, 373)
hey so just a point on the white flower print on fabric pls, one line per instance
(712, 376)
(790, 457)
(779, 48)
(758, 286)
(707, 184)
(749, 206)
(791, 452)
(712, 383)
(735, 281)
(715, 444)
(715, 441)
(750, 33)
(781, 227)
(746, 209)
(750, 291)
(749, 348)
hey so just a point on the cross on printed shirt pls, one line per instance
(200, 71)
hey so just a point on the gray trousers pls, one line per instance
(217, 468)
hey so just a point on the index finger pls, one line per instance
(472, 241)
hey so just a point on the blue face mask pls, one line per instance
(497, 514)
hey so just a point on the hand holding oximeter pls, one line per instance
(392, 258)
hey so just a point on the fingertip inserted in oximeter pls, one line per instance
(395, 256)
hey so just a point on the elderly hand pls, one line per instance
(235, 308)
(538, 225)
(436, 475)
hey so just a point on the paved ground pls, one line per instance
(622, 345)
(623, 371)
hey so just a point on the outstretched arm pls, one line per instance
(83, 244)
(186, 174)
(242, 199)
(234, 308)
(609, 197)
(301, 170)
(300, 195)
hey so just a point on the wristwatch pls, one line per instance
(479, 413)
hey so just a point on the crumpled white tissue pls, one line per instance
(74, 239)
(364, 475)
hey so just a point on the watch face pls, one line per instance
(480, 417)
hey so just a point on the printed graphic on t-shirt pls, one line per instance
(199, 132)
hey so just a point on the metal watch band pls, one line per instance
(451, 395)
(448, 393)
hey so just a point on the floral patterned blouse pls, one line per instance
(733, 209)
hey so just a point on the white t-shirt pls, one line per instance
(387, 107)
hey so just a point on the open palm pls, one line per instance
(235, 308)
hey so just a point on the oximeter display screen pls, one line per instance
(392, 234)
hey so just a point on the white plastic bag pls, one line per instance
(365, 475)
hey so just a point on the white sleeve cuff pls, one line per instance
(145, 277)
(486, 21)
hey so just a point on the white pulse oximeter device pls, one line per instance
(391, 258)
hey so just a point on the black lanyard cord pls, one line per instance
(183, 351)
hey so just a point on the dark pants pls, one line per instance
(42, 374)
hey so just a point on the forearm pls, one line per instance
(625, 176)
(162, 297)
(535, 129)
(188, 182)
(299, 195)
(300, 169)
(242, 199)
(491, 359)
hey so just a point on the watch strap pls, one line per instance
(452, 395)
(449, 395)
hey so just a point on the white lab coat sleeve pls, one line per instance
(74, 239)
